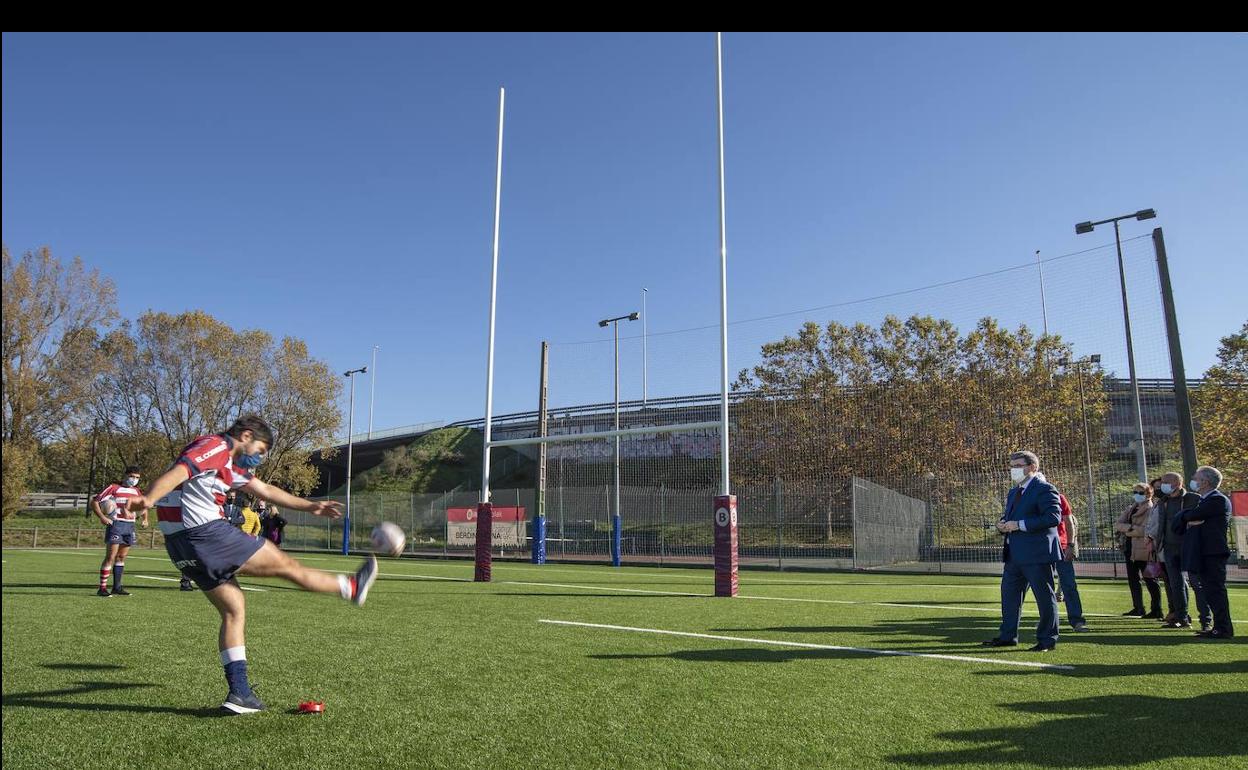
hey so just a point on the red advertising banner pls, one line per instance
(1239, 503)
(500, 513)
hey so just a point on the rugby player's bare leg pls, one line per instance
(271, 561)
(110, 556)
(230, 603)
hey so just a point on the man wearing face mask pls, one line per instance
(1029, 524)
(1207, 523)
(204, 545)
(111, 507)
(1172, 502)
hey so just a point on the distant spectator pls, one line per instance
(1152, 530)
(272, 522)
(1207, 524)
(250, 522)
(1131, 525)
(1172, 502)
(1068, 537)
(232, 511)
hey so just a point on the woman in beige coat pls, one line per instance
(1132, 524)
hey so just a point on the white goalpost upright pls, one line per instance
(485, 517)
(725, 505)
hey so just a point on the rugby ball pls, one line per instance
(388, 539)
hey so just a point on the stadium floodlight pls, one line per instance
(1141, 459)
(346, 519)
(616, 525)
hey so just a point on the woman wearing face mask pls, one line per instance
(111, 508)
(1133, 526)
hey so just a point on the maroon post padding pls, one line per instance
(726, 545)
(485, 542)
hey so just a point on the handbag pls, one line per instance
(1152, 569)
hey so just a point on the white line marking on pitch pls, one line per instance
(811, 646)
(740, 596)
(178, 580)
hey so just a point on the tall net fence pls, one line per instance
(922, 393)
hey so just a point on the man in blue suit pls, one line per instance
(1205, 548)
(1029, 523)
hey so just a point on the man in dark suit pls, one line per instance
(1207, 523)
(1029, 523)
(1173, 501)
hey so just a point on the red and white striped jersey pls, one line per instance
(199, 499)
(119, 495)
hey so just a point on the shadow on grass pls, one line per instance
(573, 594)
(953, 631)
(83, 589)
(1104, 731)
(1238, 668)
(742, 655)
(47, 699)
(82, 666)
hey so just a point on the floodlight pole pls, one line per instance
(616, 521)
(1141, 459)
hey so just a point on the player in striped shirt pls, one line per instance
(112, 508)
(206, 547)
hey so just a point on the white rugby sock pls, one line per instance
(232, 654)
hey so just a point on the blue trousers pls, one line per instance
(1015, 580)
(1070, 591)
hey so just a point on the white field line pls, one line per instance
(904, 605)
(128, 557)
(994, 610)
(177, 580)
(811, 646)
(626, 574)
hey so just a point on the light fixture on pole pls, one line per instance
(346, 520)
(1081, 228)
(616, 524)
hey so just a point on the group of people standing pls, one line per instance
(1168, 533)
(1168, 550)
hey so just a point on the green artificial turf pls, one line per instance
(438, 671)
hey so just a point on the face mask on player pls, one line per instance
(130, 481)
(250, 461)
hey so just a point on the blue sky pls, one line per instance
(340, 187)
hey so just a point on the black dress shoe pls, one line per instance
(1042, 648)
(1154, 615)
(997, 642)
(1216, 634)
(1133, 614)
